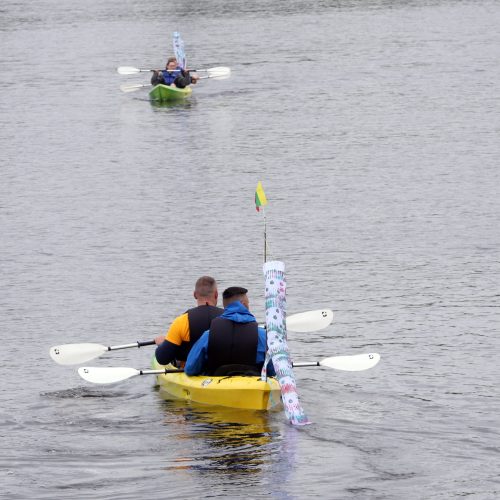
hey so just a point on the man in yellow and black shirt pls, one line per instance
(187, 328)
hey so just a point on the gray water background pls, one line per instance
(374, 127)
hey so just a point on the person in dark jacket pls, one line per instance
(187, 328)
(174, 75)
(234, 344)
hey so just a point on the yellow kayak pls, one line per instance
(245, 392)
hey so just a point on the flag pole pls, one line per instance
(265, 235)
(260, 202)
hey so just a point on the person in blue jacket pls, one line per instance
(174, 75)
(234, 344)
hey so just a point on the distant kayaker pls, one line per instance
(234, 344)
(187, 328)
(174, 75)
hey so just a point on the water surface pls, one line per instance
(373, 126)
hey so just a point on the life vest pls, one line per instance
(199, 319)
(170, 76)
(232, 345)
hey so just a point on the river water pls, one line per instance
(374, 128)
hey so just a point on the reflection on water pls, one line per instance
(82, 392)
(225, 440)
(183, 104)
(381, 175)
(178, 104)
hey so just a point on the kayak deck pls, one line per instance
(245, 392)
(162, 93)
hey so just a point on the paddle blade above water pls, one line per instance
(106, 375)
(219, 72)
(128, 70)
(355, 363)
(310, 321)
(73, 354)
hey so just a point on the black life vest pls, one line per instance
(232, 347)
(199, 319)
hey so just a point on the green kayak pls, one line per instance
(162, 93)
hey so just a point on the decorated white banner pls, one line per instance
(274, 273)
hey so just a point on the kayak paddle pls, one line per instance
(133, 88)
(137, 86)
(111, 375)
(105, 375)
(74, 354)
(356, 363)
(309, 321)
(218, 71)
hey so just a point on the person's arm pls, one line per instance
(165, 353)
(157, 77)
(193, 78)
(168, 346)
(197, 356)
(188, 78)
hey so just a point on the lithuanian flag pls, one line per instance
(260, 197)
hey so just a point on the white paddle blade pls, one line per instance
(219, 77)
(309, 321)
(355, 363)
(127, 70)
(219, 72)
(105, 375)
(73, 354)
(133, 88)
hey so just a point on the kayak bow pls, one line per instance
(162, 93)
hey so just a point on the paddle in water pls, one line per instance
(111, 375)
(74, 354)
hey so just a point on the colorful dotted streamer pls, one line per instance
(275, 293)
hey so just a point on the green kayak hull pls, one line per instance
(162, 93)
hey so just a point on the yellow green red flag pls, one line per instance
(260, 197)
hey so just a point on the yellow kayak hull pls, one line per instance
(248, 393)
